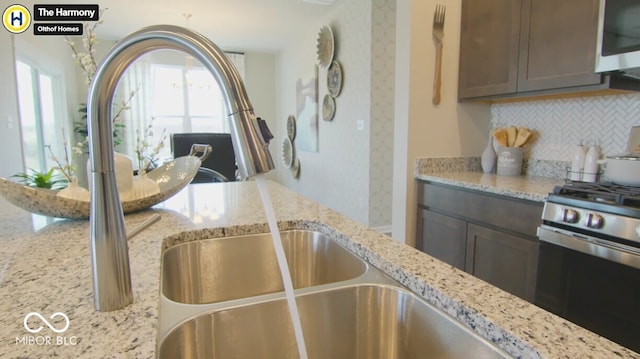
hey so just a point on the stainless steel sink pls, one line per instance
(359, 321)
(224, 298)
(222, 269)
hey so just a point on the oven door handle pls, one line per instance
(615, 252)
(617, 246)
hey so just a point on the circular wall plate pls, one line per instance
(325, 46)
(295, 168)
(291, 127)
(334, 79)
(328, 107)
(288, 154)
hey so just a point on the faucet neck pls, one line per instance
(110, 262)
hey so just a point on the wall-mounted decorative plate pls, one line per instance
(325, 46)
(288, 154)
(334, 79)
(291, 127)
(295, 168)
(328, 107)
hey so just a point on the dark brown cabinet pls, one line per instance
(507, 261)
(489, 236)
(444, 237)
(489, 45)
(530, 48)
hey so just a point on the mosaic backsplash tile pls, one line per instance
(558, 125)
(561, 124)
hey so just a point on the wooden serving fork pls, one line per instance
(438, 34)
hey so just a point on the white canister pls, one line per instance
(591, 164)
(577, 164)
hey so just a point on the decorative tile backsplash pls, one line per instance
(561, 124)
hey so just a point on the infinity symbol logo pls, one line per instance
(37, 330)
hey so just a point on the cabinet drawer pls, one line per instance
(516, 215)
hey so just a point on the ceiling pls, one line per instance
(258, 25)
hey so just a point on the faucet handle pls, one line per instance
(264, 130)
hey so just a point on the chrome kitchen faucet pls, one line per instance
(109, 249)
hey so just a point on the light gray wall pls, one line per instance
(351, 171)
(381, 141)
(422, 129)
(260, 81)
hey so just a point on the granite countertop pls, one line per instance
(47, 270)
(524, 187)
(466, 172)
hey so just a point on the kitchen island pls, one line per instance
(47, 270)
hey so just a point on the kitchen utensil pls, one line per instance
(624, 169)
(522, 136)
(511, 135)
(509, 161)
(500, 136)
(438, 34)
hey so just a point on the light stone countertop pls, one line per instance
(523, 187)
(48, 271)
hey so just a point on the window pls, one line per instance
(38, 101)
(186, 100)
(176, 97)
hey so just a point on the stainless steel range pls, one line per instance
(589, 263)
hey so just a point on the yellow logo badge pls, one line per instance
(16, 19)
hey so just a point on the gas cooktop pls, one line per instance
(602, 196)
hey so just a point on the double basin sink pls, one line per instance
(224, 298)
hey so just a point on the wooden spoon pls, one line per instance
(511, 135)
(500, 136)
(523, 136)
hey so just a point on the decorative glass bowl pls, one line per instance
(171, 177)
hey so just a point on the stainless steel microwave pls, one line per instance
(618, 44)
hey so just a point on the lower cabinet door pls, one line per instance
(444, 237)
(507, 261)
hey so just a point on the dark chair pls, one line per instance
(221, 163)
